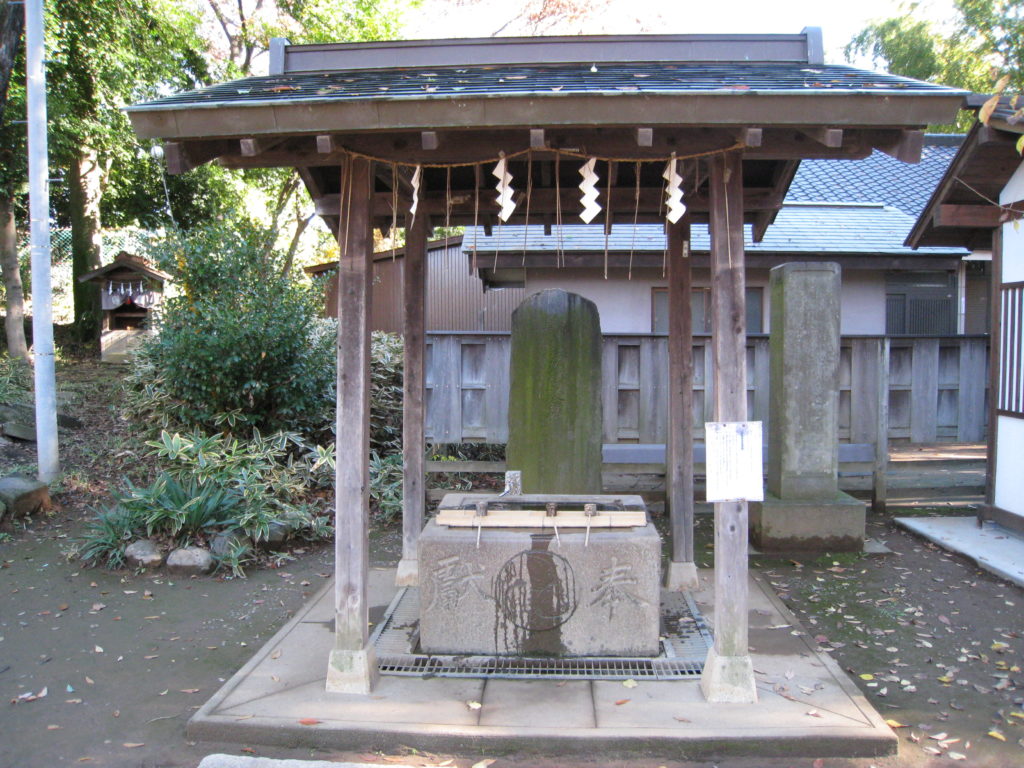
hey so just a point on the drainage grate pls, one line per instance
(685, 643)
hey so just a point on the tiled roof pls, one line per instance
(532, 80)
(827, 229)
(877, 178)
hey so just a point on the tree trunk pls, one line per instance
(15, 320)
(86, 189)
(12, 20)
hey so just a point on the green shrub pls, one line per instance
(15, 378)
(386, 361)
(185, 510)
(241, 348)
(385, 487)
(107, 535)
(267, 478)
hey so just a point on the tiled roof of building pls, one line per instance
(877, 178)
(523, 80)
(828, 229)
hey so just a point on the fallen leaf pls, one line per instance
(813, 713)
(631, 683)
(53, 727)
(956, 756)
(72, 701)
(98, 649)
(996, 735)
(133, 744)
(474, 704)
(484, 763)
(276, 654)
(895, 723)
(620, 702)
(190, 690)
(939, 736)
(309, 721)
(867, 676)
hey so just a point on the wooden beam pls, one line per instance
(182, 157)
(781, 179)
(972, 216)
(682, 573)
(907, 148)
(414, 267)
(543, 200)
(645, 137)
(253, 147)
(827, 137)
(728, 674)
(750, 137)
(353, 667)
(480, 146)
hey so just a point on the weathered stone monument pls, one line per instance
(803, 507)
(554, 413)
(560, 570)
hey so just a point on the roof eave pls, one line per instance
(888, 107)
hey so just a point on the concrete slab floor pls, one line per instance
(996, 549)
(807, 705)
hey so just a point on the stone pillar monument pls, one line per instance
(803, 507)
(554, 412)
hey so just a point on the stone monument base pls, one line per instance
(784, 525)
(523, 591)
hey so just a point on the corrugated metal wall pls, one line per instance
(455, 298)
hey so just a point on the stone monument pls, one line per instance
(803, 507)
(554, 413)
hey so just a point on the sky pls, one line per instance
(840, 20)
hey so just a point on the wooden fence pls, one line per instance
(936, 387)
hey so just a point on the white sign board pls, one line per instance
(733, 461)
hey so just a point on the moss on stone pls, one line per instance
(555, 416)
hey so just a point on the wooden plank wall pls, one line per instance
(937, 387)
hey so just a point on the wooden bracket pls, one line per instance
(645, 137)
(907, 148)
(325, 144)
(827, 137)
(428, 140)
(537, 138)
(251, 147)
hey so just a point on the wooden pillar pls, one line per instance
(413, 397)
(728, 672)
(682, 571)
(353, 664)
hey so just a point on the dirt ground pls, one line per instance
(117, 662)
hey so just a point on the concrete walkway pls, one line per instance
(807, 705)
(994, 548)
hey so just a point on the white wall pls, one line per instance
(625, 305)
(1009, 479)
(862, 308)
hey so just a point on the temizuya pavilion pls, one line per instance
(423, 133)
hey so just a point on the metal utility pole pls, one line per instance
(39, 215)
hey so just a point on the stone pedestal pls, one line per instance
(804, 509)
(820, 525)
(525, 592)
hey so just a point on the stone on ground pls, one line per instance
(188, 561)
(225, 542)
(143, 554)
(24, 496)
(555, 417)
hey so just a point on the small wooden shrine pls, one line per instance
(130, 288)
